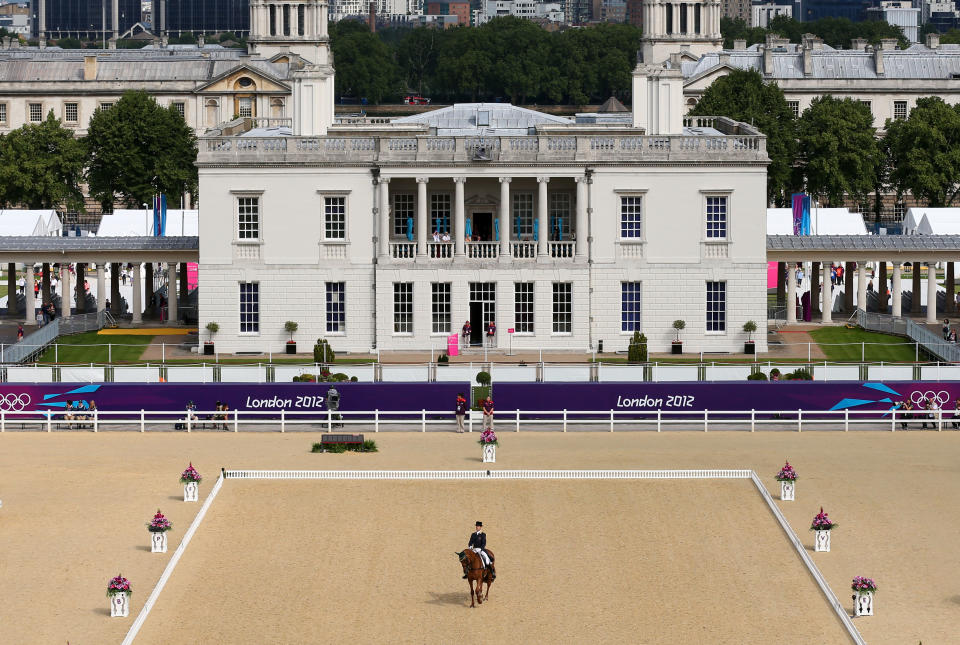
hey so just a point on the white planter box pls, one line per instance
(863, 603)
(191, 492)
(489, 453)
(158, 542)
(821, 541)
(120, 605)
(787, 490)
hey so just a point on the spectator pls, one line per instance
(487, 406)
(946, 328)
(467, 330)
(491, 329)
(19, 332)
(956, 415)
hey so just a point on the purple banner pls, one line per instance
(174, 397)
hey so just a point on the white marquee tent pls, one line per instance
(135, 222)
(913, 217)
(939, 221)
(15, 222)
(823, 221)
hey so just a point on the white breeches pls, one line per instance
(483, 556)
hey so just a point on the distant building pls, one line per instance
(17, 23)
(900, 14)
(635, 12)
(762, 14)
(459, 9)
(85, 18)
(388, 10)
(208, 16)
(854, 10)
(737, 9)
(499, 8)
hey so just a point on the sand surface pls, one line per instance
(75, 508)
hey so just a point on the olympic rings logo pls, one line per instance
(940, 397)
(14, 402)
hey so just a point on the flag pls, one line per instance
(801, 213)
(160, 215)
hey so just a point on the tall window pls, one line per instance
(629, 306)
(716, 306)
(403, 307)
(899, 110)
(485, 293)
(560, 215)
(716, 218)
(562, 307)
(523, 307)
(403, 209)
(248, 218)
(71, 112)
(440, 307)
(336, 307)
(36, 112)
(794, 108)
(899, 210)
(249, 307)
(3, 112)
(245, 107)
(335, 218)
(631, 217)
(181, 108)
(440, 213)
(523, 216)
(106, 106)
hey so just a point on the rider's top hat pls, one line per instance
(479, 523)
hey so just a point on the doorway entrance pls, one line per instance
(483, 309)
(483, 226)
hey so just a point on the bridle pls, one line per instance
(467, 567)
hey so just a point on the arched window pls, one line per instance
(276, 108)
(212, 112)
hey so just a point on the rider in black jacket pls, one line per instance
(478, 542)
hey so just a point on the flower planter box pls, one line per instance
(863, 603)
(676, 348)
(158, 542)
(291, 348)
(489, 453)
(821, 541)
(749, 348)
(208, 349)
(787, 491)
(191, 492)
(120, 604)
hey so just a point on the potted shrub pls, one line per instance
(488, 446)
(443, 360)
(863, 590)
(788, 482)
(749, 347)
(291, 328)
(677, 347)
(822, 525)
(191, 479)
(213, 328)
(118, 590)
(158, 528)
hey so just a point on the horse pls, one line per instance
(476, 573)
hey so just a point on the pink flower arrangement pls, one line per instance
(787, 473)
(862, 585)
(190, 475)
(159, 523)
(117, 585)
(821, 522)
(488, 437)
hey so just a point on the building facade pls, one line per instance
(85, 18)
(207, 17)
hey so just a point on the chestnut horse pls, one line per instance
(476, 573)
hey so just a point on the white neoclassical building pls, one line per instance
(393, 234)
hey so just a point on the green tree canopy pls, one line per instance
(924, 151)
(837, 32)
(138, 149)
(365, 66)
(41, 166)
(742, 95)
(838, 150)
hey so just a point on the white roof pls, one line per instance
(914, 216)
(125, 222)
(496, 119)
(939, 223)
(823, 221)
(18, 222)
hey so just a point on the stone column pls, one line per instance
(581, 224)
(79, 290)
(11, 289)
(827, 307)
(814, 288)
(115, 307)
(45, 283)
(791, 293)
(950, 283)
(931, 292)
(184, 284)
(172, 292)
(897, 291)
(882, 287)
(30, 310)
(148, 310)
(422, 215)
(848, 288)
(101, 287)
(781, 283)
(543, 219)
(675, 10)
(862, 285)
(915, 303)
(506, 225)
(384, 216)
(136, 305)
(459, 216)
(65, 294)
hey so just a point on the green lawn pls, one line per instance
(893, 349)
(91, 348)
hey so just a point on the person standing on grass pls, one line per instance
(487, 413)
(461, 411)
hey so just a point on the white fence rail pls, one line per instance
(505, 421)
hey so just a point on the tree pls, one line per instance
(838, 150)
(138, 149)
(365, 66)
(417, 55)
(924, 151)
(41, 166)
(743, 95)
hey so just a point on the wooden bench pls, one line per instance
(345, 439)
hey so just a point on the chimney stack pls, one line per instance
(933, 41)
(201, 41)
(90, 68)
(858, 44)
(739, 45)
(878, 60)
(888, 44)
(807, 59)
(767, 60)
(373, 17)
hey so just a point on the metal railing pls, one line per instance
(933, 344)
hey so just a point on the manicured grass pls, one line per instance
(91, 348)
(892, 349)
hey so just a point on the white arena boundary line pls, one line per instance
(171, 565)
(831, 597)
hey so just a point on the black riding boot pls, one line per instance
(493, 572)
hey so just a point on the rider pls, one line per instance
(478, 542)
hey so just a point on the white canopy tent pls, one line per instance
(939, 221)
(823, 221)
(914, 216)
(137, 222)
(15, 222)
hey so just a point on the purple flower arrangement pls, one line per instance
(159, 523)
(117, 585)
(488, 437)
(863, 585)
(821, 522)
(190, 475)
(787, 473)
